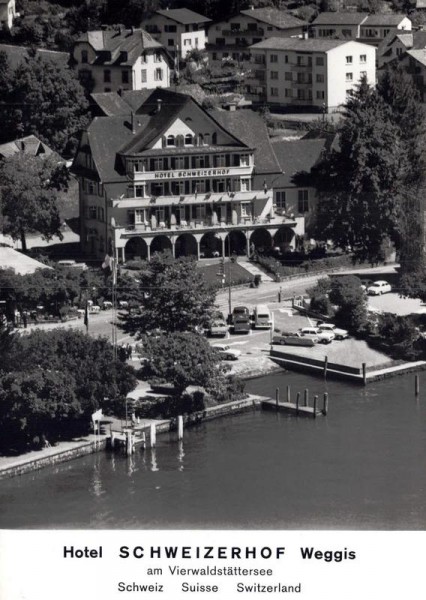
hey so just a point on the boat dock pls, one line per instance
(297, 408)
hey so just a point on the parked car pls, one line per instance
(292, 339)
(218, 326)
(339, 334)
(378, 288)
(313, 333)
(226, 352)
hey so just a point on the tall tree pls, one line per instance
(28, 195)
(46, 100)
(359, 184)
(173, 296)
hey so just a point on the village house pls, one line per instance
(369, 29)
(414, 64)
(173, 175)
(231, 39)
(121, 59)
(7, 13)
(316, 74)
(396, 44)
(180, 30)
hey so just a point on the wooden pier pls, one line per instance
(296, 408)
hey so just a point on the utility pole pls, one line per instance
(229, 277)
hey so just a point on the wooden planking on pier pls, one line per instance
(291, 408)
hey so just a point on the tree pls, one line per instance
(29, 193)
(359, 184)
(347, 294)
(173, 296)
(182, 359)
(46, 100)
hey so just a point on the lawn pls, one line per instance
(235, 271)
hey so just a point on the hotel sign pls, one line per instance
(192, 173)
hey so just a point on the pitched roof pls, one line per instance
(183, 16)
(17, 54)
(297, 157)
(111, 104)
(20, 263)
(119, 46)
(250, 128)
(275, 17)
(420, 4)
(340, 18)
(310, 45)
(419, 55)
(381, 20)
(29, 145)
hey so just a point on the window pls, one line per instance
(274, 74)
(92, 212)
(84, 56)
(398, 52)
(362, 74)
(171, 140)
(288, 93)
(346, 33)
(303, 201)
(274, 91)
(170, 42)
(363, 58)
(220, 41)
(188, 140)
(157, 57)
(139, 215)
(349, 60)
(320, 94)
(158, 75)
(246, 209)
(319, 61)
(286, 59)
(124, 76)
(100, 213)
(320, 78)
(170, 28)
(235, 26)
(300, 94)
(139, 191)
(144, 59)
(349, 76)
(288, 76)
(107, 90)
(187, 42)
(280, 200)
(107, 76)
(244, 160)
(273, 58)
(143, 75)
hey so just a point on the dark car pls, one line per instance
(241, 321)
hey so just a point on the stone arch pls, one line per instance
(261, 240)
(136, 248)
(161, 243)
(211, 244)
(284, 238)
(237, 241)
(186, 245)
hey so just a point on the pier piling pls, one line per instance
(416, 385)
(364, 373)
(315, 406)
(180, 427)
(325, 404)
(277, 398)
(297, 402)
(153, 435)
(325, 366)
(288, 394)
(306, 398)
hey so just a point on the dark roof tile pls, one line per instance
(340, 18)
(297, 157)
(275, 17)
(183, 16)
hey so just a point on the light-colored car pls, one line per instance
(321, 337)
(226, 352)
(339, 334)
(218, 326)
(378, 288)
(365, 284)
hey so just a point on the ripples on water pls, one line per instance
(362, 467)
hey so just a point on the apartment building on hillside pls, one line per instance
(315, 74)
(118, 59)
(180, 30)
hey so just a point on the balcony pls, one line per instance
(240, 32)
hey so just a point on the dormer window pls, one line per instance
(214, 138)
(189, 140)
(171, 140)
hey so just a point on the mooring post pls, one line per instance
(364, 373)
(297, 402)
(315, 406)
(129, 443)
(288, 394)
(325, 366)
(112, 438)
(277, 398)
(180, 427)
(416, 385)
(325, 404)
(306, 398)
(153, 435)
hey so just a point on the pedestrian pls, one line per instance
(129, 352)
(279, 295)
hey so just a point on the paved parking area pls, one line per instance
(397, 305)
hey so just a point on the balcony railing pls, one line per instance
(192, 173)
(239, 32)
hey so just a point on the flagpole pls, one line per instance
(114, 302)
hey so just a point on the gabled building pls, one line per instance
(231, 39)
(173, 175)
(121, 59)
(414, 63)
(7, 13)
(396, 44)
(29, 145)
(180, 30)
(316, 74)
(371, 29)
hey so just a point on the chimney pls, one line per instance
(132, 117)
(159, 105)
(232, 106)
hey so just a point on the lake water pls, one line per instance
(361, 467)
